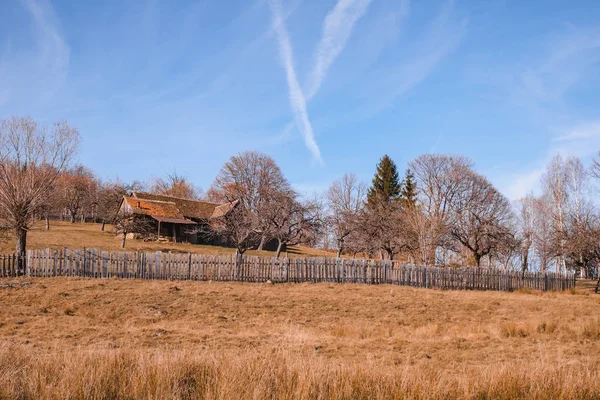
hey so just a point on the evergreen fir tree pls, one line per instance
(408, 195)
(386, 187)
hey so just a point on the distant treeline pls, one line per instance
(440, 212)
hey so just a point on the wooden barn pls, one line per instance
(174, 218)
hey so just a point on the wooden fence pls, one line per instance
(94, 263)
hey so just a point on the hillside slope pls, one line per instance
(89, 235)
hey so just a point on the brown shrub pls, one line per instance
(591, 329)
(547, 328)
(511, 329)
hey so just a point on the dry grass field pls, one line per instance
(89, 235)
(80, 338)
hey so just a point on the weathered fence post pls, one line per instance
(94, 263)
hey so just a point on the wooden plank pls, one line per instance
(94, 263)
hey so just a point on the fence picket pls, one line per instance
(94, 263)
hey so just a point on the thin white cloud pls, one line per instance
(541, 89)
(581, 141)
(583, 131)
(227, 75)
(54, 51)
(297, 99)
(384, 85)
(442, 36)
(337, 29)
(522, 184)
(29, 74)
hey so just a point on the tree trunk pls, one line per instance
(72, 218)
(543, 264)
(263, 240)
(477, 260)
(239, 259)
(390, 254)
(431, 255)
(123, 241)
(340, 248)
(47, 223)
(279, 246)
(103, 224)
(20, 249)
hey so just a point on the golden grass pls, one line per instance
(89, 235)
(78, 338)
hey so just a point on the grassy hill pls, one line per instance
(118, 338)
(89, 235)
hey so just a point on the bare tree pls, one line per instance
(345, 201)
(128, 223)
(255, 180)
(382, 229)
(31, 158)
(237, 227)
(577, 178)
(508, 251)
(136, 186)
(49, 205)
(176, 185)
(294, 221)
(110, 196)
(76, 190)
(439, 180)
(555, 186)
(479, 216)
(595, 167)
(526, 226)
(582, 242)
(418, 225)
(543, 236)
(578, 212)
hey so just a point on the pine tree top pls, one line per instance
(408, 194)
(386, 186)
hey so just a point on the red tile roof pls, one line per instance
(194, 209)
(223, 209)
(153, 208)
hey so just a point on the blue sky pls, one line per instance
(324, 87)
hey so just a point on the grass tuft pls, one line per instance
(511, 330)
(591, 329)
